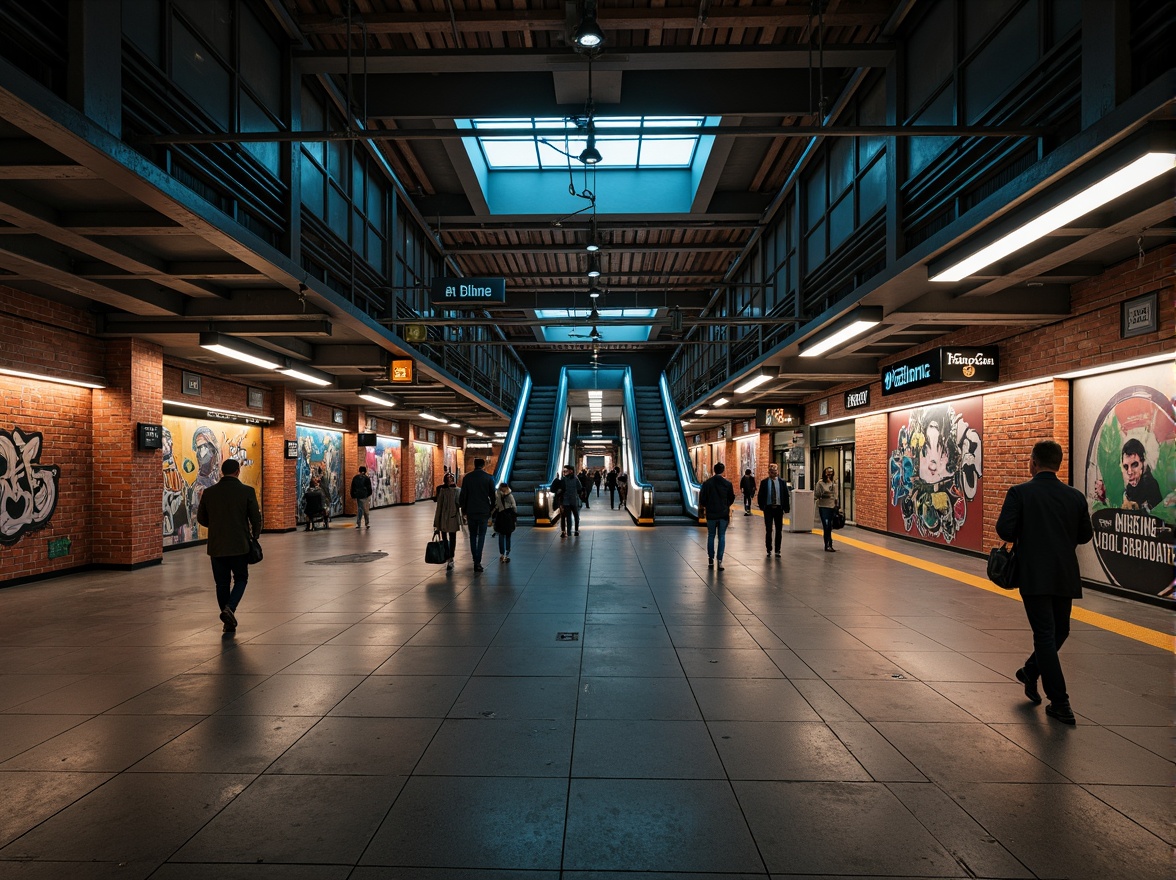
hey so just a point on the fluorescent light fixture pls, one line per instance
(759, 377)
(232, 347)
(455, 424)
(471, 431)
(684, 422)
(1121, 365)
(722, 401)
(480, 433)
(845, 328)
(500, 433)
(1147, 167)
(379, 398)
(57, 380)
(433, 417)
(298, 370)
(702, 411)
(183, 404)
(595, 392)
(592, 247)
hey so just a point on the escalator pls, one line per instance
(657, 457)
(530, 465)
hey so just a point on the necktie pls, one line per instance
(771, 493)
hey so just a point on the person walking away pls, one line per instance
(361, 491)
(610, 483)
(585, 488)
(476, 500)
(567, 490)
(773, 501)
(597, 479)
(1046, 520)
(447, 517)
(229, 511)
(715, 498)
(622, 487)
(506, 514)
(825, 493)
(747, 487)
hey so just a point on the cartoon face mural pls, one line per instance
(193, 451)
(383, 464)
(319, 455)
(28, 489)
(935, 471)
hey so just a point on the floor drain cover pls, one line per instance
(567, 637)
(349, 559)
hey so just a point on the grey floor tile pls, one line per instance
(213, 871)
(991, 702)
(801, 828)
(432, 661)
(788, 750)
(649, 662)
(1147, 805)
(107, 743)
(891, 700)
(297, 819)
(965, 753)
(189, 695)
(706, 636)
(362, 873)
(369, 632)
(402, 696)
(624, 635)
(91, 695)
(518, 697)
(295, 633)
(1094, 755)
(668, 825)
(20, 688)
(645, 750)
(341, 660)
(31, 796)
(636, 698)
(529, 660)
(863, 664)
(228, 744)
(481, 747)
(454, 634)
(1157, 740)
(727, 663)
(253, 659)
(825, 701)
(21, 732)
(294, 695)
(754, 699)
(880, 759)
(359, 747)
(453, 822)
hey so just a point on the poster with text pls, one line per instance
(1124, 462)
(320, 455)
(423, 457)
(193, 450)
(746, 447)
(936, 474)
(383, 464)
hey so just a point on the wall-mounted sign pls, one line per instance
(150, 436)
(415, 333)
(400, 372)
(256, 398)
(337, 416)
(781, 417)
(59, 547)
(856, 398)
(191, 383)
(468, 291)
(307, 409)
(911, 373)
(291, 449)
(823, 407)
(1140, 315)
(722, 432)
(365, 439)
(976, 364)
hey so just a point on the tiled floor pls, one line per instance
(821, 715)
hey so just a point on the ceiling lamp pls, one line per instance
(593, 244)
(590, 155)
(455, 424)
(433, 417)
(594, 292)
(759, 377)
(588, 35)
(722, 401)
(701, 412)
(1145, 168)
(378, 398)
(842, 330)
(232, 347)
(594, 266)
(471, 430)
(298, 370)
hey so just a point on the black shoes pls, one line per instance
(710, 563)
(1062, 712)
(478, 567)
(830, 549)
(229, 619)
(1031, 692)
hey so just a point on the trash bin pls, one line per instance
(803, 511)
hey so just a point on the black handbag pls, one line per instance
(1001, 562)
(436, 551)
(255, 554)
(837, 521)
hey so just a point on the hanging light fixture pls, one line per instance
(593, 244)
(594, 266)
(588, 35)
(590, 155)
(595, 292)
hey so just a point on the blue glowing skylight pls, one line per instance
(529, 152)
(578, 328)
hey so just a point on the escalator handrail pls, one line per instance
(629, 409)
(690, 487)
(560, 424)
(510, 445)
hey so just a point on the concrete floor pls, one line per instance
(824, 715)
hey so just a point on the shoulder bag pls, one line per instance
(1001, 562)
(838, 519)
(255, 554)
(436, 551)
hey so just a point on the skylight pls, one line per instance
(578, 328)
(529, 152)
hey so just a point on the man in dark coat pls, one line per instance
(715, 499)
(476, 500)
(610, 483)
(773, 501)
(567, 491)
(229, 510)
(747, 487)
(1046, 520)
(361, 491)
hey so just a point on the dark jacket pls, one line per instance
(781, 496)
(567, 491)
(476, 499)
(229, 510)
(361, 486)
(747, 485)
(716, 497)
(1046, 520)
(611, 480)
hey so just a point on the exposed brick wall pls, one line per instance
(41, 336)
(279, 504)
(872, 471)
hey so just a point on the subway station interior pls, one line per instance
(894, 241)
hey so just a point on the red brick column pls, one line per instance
(127, 489)
(279, 502)
(1013, 422)
(408, 464)
(353, 456)
(872, 471)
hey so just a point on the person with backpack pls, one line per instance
(747, 487)
(505, 515)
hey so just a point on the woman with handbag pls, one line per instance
(825, 494)
(505, 515)
(447, 517)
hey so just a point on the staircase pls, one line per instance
(657, 458)
(530, 464)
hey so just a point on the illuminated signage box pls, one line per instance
(468, 291)
(779, 417)
(856, 398)
(975, 364)
(400, 372)
(912, 373)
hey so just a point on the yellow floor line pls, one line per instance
(1152, 637)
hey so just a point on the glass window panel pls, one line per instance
(980, 18)
(312, 112)
(1067, 14)
(929, 55)
(840, 166)
(200, 75)
(815, 247)
(672, 121)
(667, 152)
(814, 192)
(1001, 63)
(374, 207)
(337, 211)
(141, 25)
(357, 181)
(872, 190)
(502, 123)
(841, 221)
(338, 161)
(214, 20)
(510, 153)
(871, 111)
(312, 188)
(261, 63)
(617, 152)
(375, 249)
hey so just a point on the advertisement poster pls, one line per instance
(746, 447)
(424, 453)
(452, 465)
(383, 464)
(1124, 461)
(320, 454)
(718, 454)
(936, 473)
(193, 450)
(701, 456)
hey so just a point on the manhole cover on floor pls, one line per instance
(349, 559)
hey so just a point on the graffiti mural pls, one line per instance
(936, 471)
(383, 464)
(193, 451)
(28, 489)
(423, 457)
(452, 465)
(746, 447)
(320, 454)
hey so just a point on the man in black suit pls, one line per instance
(773, 501)
(476, 500)
(1046, 520)
(229, 510)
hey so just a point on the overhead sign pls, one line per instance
(780, 417)
(976, 364)
(856, 398)
(400, 372)
(912, 373)
(468, 291)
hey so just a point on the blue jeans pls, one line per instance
(827, 524)
(361, 511)
(477, 538)
(226, 569)
(504, 543)
(712, 526)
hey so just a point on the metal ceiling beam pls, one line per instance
(124, 325)
(606, 247)
(1019, 306)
